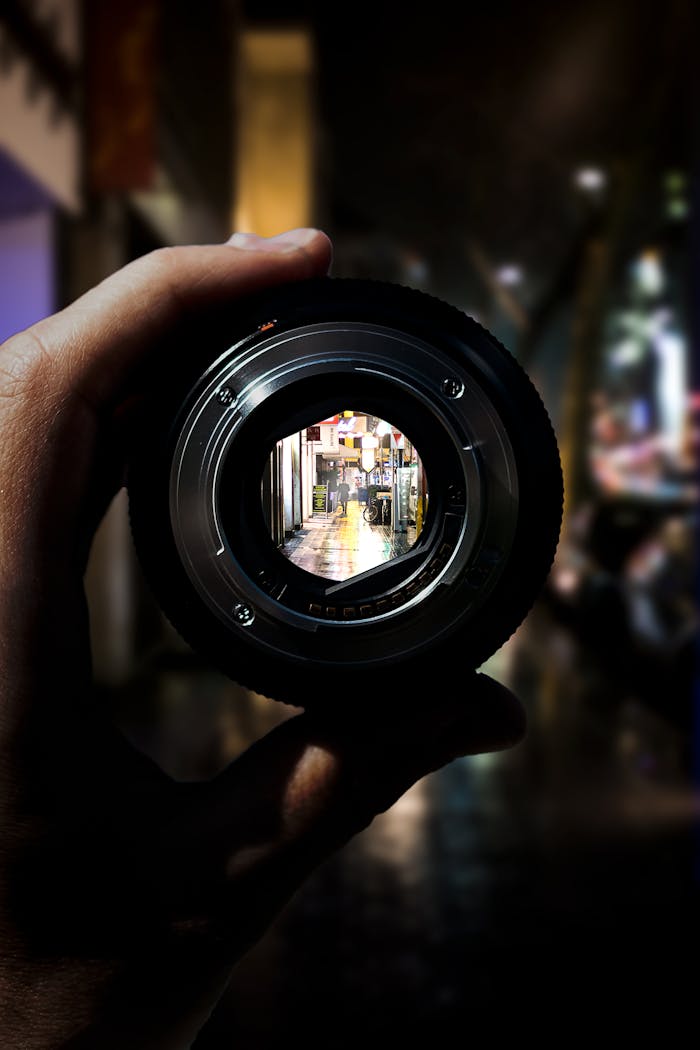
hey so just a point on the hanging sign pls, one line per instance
(369, 459)
(330, 441)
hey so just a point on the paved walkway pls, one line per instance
(337, 546)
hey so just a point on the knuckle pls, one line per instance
(25, 365)
(162, 268)
(165, 256)
(162, 262)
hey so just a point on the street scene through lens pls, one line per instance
(344, 495)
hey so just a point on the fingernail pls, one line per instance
(244, 240)
(282, 242)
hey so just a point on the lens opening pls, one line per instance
(280, 384)
(344, 494)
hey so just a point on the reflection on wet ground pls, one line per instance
(552, 884)
(338, 546)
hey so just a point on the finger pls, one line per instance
(58, 383)
(58, 379)
(88, 349)
(312, 784)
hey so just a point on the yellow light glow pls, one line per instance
(274, 163)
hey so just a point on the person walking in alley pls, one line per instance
(343, 494)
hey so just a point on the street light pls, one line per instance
(509, 275)
(590, 179)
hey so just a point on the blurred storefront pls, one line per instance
(41, 145)
(156, 82)
(624, 575)
(106, 153)
(276, 158)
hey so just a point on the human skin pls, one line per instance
(126, 898)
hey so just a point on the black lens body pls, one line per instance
(277, 362)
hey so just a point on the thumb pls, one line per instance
(305, 789)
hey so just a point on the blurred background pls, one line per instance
(536, 165)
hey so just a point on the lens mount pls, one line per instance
(290, 358)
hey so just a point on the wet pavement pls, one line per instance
(539, 892)
(337, 545)
(555, 884)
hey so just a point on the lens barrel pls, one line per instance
(280, 361)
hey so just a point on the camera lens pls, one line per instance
(207, 483)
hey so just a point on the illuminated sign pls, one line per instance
(346, 425)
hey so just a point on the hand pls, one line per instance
(126, 897)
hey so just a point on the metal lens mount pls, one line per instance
(282, 361)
